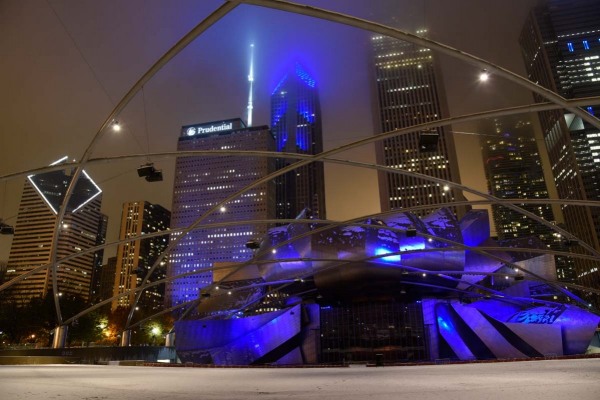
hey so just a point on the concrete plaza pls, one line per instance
(527, 380)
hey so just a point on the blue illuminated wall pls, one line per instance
(296, 126)
(495, 329)
(240, 341)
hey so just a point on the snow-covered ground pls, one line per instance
(531, 380)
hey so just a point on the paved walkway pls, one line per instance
(530, 380)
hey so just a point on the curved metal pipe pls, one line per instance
(355, 22)
(162, 61)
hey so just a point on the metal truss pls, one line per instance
(556, 102)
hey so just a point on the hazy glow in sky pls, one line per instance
(66, 63)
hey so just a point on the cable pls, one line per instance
(146, 121)
(110, 100)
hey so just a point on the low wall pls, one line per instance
(88, 355)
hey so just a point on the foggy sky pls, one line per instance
(66, 63)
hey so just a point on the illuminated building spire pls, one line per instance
(251, 82)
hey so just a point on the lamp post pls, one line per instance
(155, 332)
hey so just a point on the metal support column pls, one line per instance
(60, 336)
(126, 338)
(170, 339)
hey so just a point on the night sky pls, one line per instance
(64, 64)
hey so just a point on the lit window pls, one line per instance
(570, 46)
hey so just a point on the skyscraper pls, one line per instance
(135, 258)
(201, 182)
(561, 49)
(107, 281)
(296, 126)
(98, 259)
(409, 91)
(513, 168)
(42, 196)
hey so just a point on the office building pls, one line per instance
(296, 126)
(514, 170)
(42, 196)
(136, 257)
(409, 91)
(107, 280)
(98, 259)
(560, 43)
(201, 182)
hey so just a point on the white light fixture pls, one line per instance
(484, 76)
(116, 126)
(222, 209)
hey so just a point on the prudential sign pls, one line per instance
(211, 127)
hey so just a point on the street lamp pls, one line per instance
(154, 332)
(484, 76)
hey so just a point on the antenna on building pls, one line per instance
(251, 84)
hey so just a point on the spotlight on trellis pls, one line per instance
(428, 140)
(148, 172)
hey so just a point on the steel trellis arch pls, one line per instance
(335, 17)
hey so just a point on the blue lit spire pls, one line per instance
(251, 84)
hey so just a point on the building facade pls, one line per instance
(98, 259)
(409, 91)
(514, 170)
(107, 281)
(42, 196)
(560, 43)
(201, 182)
(136, 257)
(296, 126)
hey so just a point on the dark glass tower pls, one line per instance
(296, 125)
(409, 92)
(560, 43)
(136, 257)
(513, 168)
(98, 259)
(107, 281)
